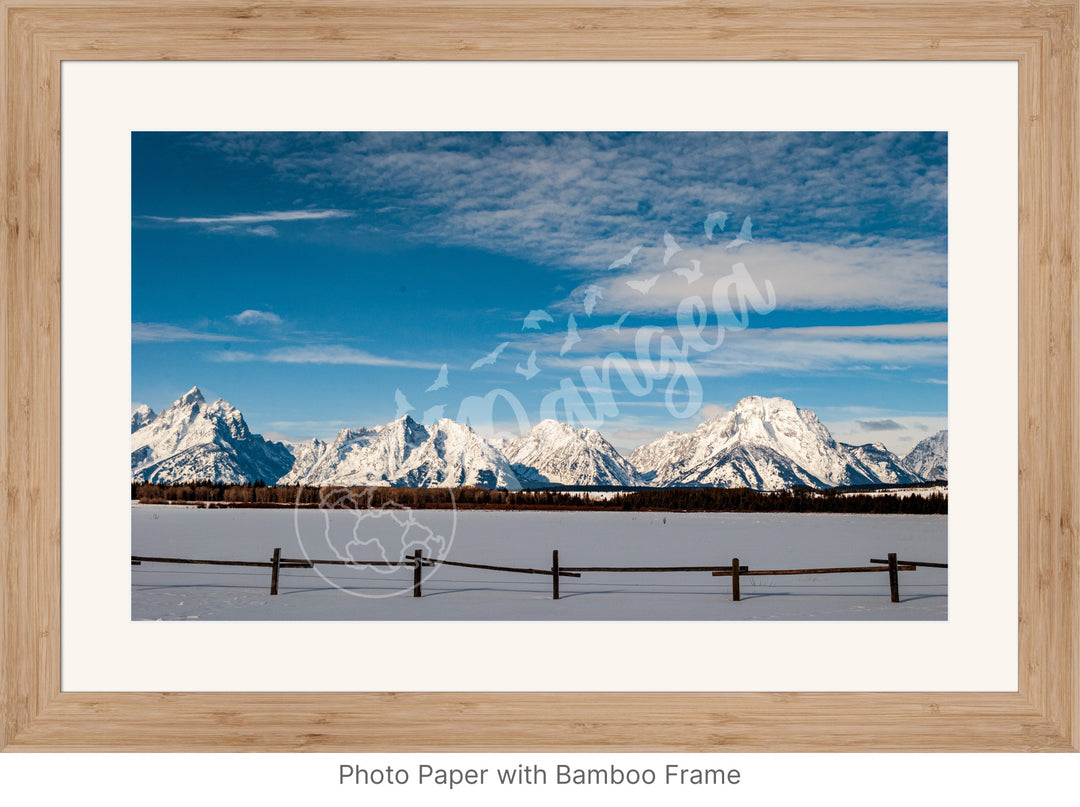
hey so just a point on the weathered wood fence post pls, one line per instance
(554, 574)
(735, 580)
(419, 564)
(274, 571)
(894, 578)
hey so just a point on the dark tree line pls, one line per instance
(798, 500)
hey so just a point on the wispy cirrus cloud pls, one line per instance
(898, 275)
(320, 354)
(252, 218)
(806, 349)
(166, 332)
(582, 200)
(258, 224)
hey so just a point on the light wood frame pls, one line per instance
(38, 34)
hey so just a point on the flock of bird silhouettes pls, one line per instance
(713, 222)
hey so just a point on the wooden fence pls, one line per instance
(418, 562)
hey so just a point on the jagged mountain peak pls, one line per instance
(404, 453)
(192, 396)
(765, 443)
(554, 453)
(407, 425)
(759, 403)
(140, 416)
(192, 441)
(930, 457)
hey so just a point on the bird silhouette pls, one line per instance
(715, 221)
(643, 285)
(743, 237)
(692, 274)
(592, 294)
(670, 247)
(402, 402)
(530, 369)
(440, 381)
(433, 414)
(614, 326)
(571, 335)
(625, 259)
(533, 320)
(491, 357)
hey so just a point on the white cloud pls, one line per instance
(164, 332)
(252, 218)
(251, 316)
(857, 348)
(786, 350)
(236, 223)
(582, 200)
(320, 354)
(893, 275)
(713, 411)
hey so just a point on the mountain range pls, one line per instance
(196, 440)
(762, 443)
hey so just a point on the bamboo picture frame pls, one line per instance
(1041, 37)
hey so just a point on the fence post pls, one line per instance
(894, 578)
(417, 555)
(735, 580)
(554, 574)
(274, 571)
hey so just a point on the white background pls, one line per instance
(103, 102)
(976, 103)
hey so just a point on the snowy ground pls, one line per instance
(761, 541)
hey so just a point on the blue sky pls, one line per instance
(322, 280)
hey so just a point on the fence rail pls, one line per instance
(647, 568)
(894, 568)
(914, 563)
(137, 560)
(519, 570)
(417, 562)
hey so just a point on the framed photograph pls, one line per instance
(449, 388)
(541, 376)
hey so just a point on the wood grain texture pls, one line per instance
(37, 34)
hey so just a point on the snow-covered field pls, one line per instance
(526, 539)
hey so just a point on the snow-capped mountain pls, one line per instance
(766, 444)
(763, 443)
(930, 457)
(195, 441)
(403, 453)
(882, 464)
(455, 455)
(665, 457)
(305, 456)
(553, 453)
(140, 416)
